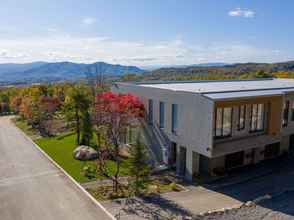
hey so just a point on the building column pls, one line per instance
(181, 160)
(178, 161)
(192, 164)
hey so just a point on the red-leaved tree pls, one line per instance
(114, 114)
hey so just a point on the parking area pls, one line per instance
(274, 177)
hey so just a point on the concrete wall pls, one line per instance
(195, 115)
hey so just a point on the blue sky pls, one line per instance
(147, 32)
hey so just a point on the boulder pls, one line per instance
(85, 153)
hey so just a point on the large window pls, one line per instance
(161, 114)
(150, 113)
(223, 122)
(286, 113)
(257, 117)
(174, 117)
(241, 119)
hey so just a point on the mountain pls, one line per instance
(18, 67)
(215, 70)
(155, 67)
(211, 64)
(42, 71)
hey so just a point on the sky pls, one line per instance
(146, 32)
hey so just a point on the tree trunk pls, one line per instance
(116, 175)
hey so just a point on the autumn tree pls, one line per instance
(15, 104)
(47, 107)
(114, 114)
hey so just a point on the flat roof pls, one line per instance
(229, 89)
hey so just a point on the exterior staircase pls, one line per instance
(157, 144)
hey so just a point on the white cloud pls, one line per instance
(88, 20)
(88, 50)
(238, 12)
(5, 54)
(52, 29)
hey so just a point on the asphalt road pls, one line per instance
(32, 188)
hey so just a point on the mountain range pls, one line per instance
(220, 69)
(58, 71)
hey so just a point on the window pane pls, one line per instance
(150, 114)
(254, 112)
(161, 114)
(174, 117)
(227, 121)
(218, 122)
(241, 124)
(260, 117)
(285, 113)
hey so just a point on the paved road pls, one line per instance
(32, 188)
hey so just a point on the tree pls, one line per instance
(15, 103)
(262, 74)
(139, 168)
(46, 109)
(114, 114)
(86, 130)
(77, 103)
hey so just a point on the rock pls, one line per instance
(85, 153)
(249, 203)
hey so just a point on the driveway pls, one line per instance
(275, 177)
(200, 199)
(32, 188)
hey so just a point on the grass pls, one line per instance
(60, 148)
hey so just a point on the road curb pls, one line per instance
(66, 174)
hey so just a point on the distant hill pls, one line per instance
(42, 71)
(18, 67)
(225, 70)
(155, 67)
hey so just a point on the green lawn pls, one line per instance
(60, 149)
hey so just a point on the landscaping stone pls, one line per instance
(85, 153)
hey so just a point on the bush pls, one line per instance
(173, 186)
(89, 172)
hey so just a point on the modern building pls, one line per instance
(208, 127)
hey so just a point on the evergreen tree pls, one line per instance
(139, 167)
(86, 129)
(76, 104)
